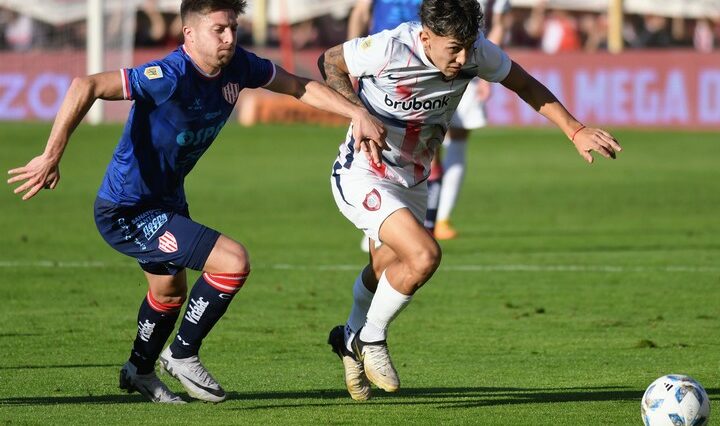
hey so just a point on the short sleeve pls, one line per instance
(493, 63)
(259, 71)
(368, 55)
(152, 82)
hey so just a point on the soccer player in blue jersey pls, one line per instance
(181, 103)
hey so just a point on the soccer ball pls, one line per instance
(675, 400)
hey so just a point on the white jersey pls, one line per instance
(399, 85)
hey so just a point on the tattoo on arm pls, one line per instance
(334, 71)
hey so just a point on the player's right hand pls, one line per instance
(39, 173)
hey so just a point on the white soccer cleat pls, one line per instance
(148, 385)
(377, 363)
(355, 380)
(194, 377)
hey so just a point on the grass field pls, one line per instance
(571, 288)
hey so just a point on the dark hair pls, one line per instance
(459, 19)
(205, 6)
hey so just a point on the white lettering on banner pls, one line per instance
(709, 96)
(676, 102)
(619, 93)
(58, 82)
(10, 87)
(646, 100)
(590, 101)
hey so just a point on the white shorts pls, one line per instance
(470, 113)
(366, 200)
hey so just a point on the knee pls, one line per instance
(239, 261)
(169, 300)
(425, 262)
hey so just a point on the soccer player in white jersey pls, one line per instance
(470, 115)
(412, 78)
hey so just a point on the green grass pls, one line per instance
(571, 288)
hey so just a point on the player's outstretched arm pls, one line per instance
(366, 128)
(585, 139)
(43, 171)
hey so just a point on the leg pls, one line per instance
(158, 313)
(454, 173)
(409, 258)
(225, 272)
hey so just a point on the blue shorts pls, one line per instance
(163, 240)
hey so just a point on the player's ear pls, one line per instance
(425, 37)
(187, 33)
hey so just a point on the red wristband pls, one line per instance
(576, 132)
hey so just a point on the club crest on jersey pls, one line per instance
(372, 201)
(153, 72)
(167, 243)
(231, 92)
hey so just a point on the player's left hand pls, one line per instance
(39, 173)
(369, 134)
(590, 139)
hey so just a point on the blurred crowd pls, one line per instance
(538, 28)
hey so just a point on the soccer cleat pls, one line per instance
(444, 230)
(149, 385)
(355, 380)
(194, 377)
(365, 244)
(376, 361)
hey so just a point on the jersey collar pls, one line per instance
(197, 68)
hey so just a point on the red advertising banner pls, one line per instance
(675, 89)
(639, 89)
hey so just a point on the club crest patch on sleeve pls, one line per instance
(153, 72)
(373, 201)
(367, 43)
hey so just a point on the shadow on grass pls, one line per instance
(44, 367)
(452, 397)
(438, 397)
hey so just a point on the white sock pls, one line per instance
(385, 306)
(453, 174)
(362, 297)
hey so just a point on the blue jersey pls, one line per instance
(388, 14)
(178, 112)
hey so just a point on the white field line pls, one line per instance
(453, 268)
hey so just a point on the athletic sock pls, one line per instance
(454, 172)
(435, 182)
(209, 299)
(385, 306)
(362, 297)
(156, 322)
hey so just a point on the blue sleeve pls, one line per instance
(152, 82)
(258, 71)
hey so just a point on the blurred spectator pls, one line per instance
(19, 32)
(593, 31)
(652, 32)
(706, 34)
(556, 29)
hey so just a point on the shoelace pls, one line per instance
(379, 356)
(201, 372)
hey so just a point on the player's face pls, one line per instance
(446, 53)
(213, 37)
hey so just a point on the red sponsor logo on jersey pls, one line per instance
(372, 200)
(230, 92)
(167, 243)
